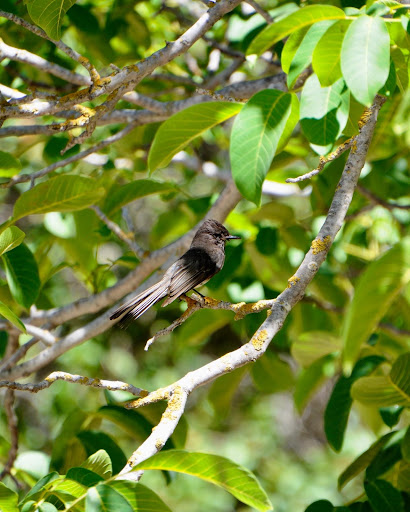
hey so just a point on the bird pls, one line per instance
(204, 259)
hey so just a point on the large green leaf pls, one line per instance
(340, 402)
(100, 463)
(383, 497)
(48, 14)
(365, 64)
(312, 345)
(383, 391)
(363, 461)
(11, 317)
(295, 21)
(181, 128)
(296, 57)
(95, 440)
(272, 375)
(59, 194)
(141, 498)
(374, 292)
(9, 165)
(10, 238)
(22, 275)
(255, 137)
(220, 471)
(326, 55)
(318, 111)
(120, 195)
(8, 499)
(133, 422)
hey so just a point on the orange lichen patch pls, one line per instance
(144, 393)
(292, 281)
(354, 146)
(365, 117)
(159, 443)
(321, 245)
(242, 309)
(209, 301)
(259, 339)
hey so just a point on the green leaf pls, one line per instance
(94, 441)
(302, 57)
(120, 195)
(391, 415)
(10, 238)
(255, 137)
(9, 165)
(318, 111)
(8, 499)
(272, 375)
(340, 402)
(84, 476)
(48, 14)
(365, 65)
(383, 497)
(22, 275)
(11, 317)
(100, 463)
(363, 461)
(405, 446)
(47, 507)
(133, 422)
(59, 194)
(320, 506)
(384, 391)
(104, 498)
(43, 483)
(141, 498)
(295, 21)
(326, 55)
(220, 471)
(374, 292)
(181, 128)
(401, 64)
(312, 345)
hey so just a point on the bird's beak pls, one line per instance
(232, 237)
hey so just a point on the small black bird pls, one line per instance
(204, 259)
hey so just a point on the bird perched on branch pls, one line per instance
(203, 260)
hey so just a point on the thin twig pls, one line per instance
(378, 200)
(115, 228)
(265, 15)
(323, 160)
(112, 385)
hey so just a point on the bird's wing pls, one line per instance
(194, 268)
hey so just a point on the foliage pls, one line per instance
(318, 423)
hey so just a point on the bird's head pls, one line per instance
(212, 231)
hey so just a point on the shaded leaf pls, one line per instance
(361, 463)
(10, 238)
(59, 194)
(103, 498)
(365, 65)
(120, 195)
(94, 441)
(141, 498)
(313, 345)
(391, 415)
(220, 471)
(84, 476)
(181, 128)
(383, 497)
(223, 389)
(255, 137)
(22, 275)
(340, 402)
(272, 375)
(295, 21)
(100, 463)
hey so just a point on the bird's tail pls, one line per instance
(139, 304)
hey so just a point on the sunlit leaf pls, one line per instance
(9, 165)
(11, 317)
(374, 292)
(365, 65)
(255, 137)
(100, 463)
(10, 238)
(235, 479)
(8, 499)
(295, 21)
(181, 128)
(141, 498)
(59, 194)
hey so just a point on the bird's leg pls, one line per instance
(198, 293)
